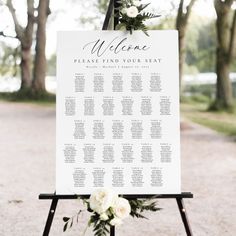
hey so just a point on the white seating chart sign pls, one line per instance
(118, 112)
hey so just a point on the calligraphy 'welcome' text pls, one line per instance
(116, 45)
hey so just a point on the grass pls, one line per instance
(222, 122)
(219, 126)
(26, 96)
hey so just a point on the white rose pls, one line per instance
(124, 11)
(121, 208)
(132, 12)
(104, 217)
(116, 221)
(136, 3)
(101, 200)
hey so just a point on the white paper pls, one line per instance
(118, 112)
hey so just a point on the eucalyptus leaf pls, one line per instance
(65, 227)
(65, 219)
(71, 224)
(143, 6)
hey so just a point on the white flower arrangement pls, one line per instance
(132, 17)
(101, 200)
(108, 209)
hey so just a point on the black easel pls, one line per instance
(114, 4)
(179, 199)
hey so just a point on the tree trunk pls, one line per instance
(181, 56)
(40, 63)
(224, 55)
(181, 25)
(224, 94)
(25, 66)
(25, 36)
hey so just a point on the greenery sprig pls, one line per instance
(138, 206)
(108, 209)
(69, 221)
(132, 17)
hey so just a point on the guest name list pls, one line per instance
(118, 112)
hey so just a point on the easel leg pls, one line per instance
(112, 231)
(184, 216)
(50, 217)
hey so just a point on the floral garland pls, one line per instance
(132, 17)
(108, 209)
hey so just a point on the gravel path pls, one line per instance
(27, 157)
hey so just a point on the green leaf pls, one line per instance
(65, 219)
(100, 228)
(71, 224)
(65, 227)
(143, 6)
(90, 222)
(148, 15)
(138, 206)
(120, 26)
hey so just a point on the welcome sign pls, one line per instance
(118, 112)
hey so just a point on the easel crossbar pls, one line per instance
(46, 196)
